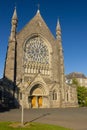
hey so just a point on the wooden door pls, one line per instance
(33, 101)
(40, 101)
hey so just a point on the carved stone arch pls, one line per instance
(54, 92)
(37, 90)
(37, 95)
(41, 85)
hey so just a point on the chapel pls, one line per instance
(34, 66)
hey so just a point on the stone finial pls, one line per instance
(58, 25)
(14, 17)
(58, 30)
(38, 11)
(14, 26)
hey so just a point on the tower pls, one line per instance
(10, 64)
(61, 60)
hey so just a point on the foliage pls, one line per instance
(81, 93)
(32, 126)
(75, 82)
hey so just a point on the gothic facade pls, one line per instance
(34, 67)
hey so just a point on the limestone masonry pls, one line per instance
(34, 67)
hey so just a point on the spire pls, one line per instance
(14, 17)
(58, 25)
(14, 26)
(38, 11)
(10, 66)
(58, 30)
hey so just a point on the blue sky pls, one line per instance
(73, 21)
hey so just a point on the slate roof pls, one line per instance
(75, 75)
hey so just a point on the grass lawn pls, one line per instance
(29, 126)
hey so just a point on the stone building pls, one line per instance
(81, 78)
(34, 67)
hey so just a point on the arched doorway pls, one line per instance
(36, 96)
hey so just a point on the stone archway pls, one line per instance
(37, 96)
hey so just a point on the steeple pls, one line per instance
(14, 26)
(58, 31)
(10, 66)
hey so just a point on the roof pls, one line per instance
(75, 75)
(36, 25)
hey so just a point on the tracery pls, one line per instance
(36, 56)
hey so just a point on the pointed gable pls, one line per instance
(38, 78)
(36, 26)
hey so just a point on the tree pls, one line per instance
(81, 93)
(75, 82)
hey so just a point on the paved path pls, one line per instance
(75, 118)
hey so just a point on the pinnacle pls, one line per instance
(58, 25)
(58, 30)
(14, 15)
(38, 12)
